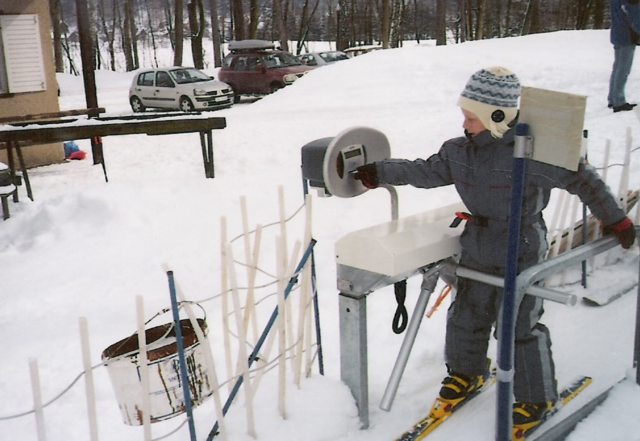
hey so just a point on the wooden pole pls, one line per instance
(88, 70)
(224, 280)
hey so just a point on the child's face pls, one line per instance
(471, 123)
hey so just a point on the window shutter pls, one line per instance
(22, 53)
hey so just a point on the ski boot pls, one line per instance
(527, 416)
(456, 388)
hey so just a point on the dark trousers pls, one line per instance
(470, 320)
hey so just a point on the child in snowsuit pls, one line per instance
(479, 165)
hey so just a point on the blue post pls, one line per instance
(254, 354)
(184, 378)
(504, 423)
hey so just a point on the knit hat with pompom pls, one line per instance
(492, 95)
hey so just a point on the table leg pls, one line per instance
(23, 168)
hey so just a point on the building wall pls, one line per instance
(19, 104)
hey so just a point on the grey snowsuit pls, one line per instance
(481, 171)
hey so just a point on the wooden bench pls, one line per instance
(5, 193)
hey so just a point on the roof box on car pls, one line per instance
(247, 45)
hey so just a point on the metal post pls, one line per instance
(506, 331)
(353, 351)
(636, 353)
(429, 281)
(184, 376)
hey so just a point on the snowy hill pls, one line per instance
(85, 248)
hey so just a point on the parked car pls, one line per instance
(360, 50)
(182, 88)
(255, 67)
(322, 58)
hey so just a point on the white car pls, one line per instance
(322, 58)
(182, 88)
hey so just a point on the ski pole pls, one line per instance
(184, 378)
(506, 344)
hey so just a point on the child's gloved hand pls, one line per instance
(368, 175)
(624, 231)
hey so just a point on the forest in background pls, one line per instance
(121, 29)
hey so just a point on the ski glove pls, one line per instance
(368, 175)
(624, 230)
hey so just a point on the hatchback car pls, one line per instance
(182, 88)
(254, 68)
(322, 58)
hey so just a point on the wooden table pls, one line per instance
(71, 129)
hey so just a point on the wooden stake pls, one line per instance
(37, 399)
(282, 343)
(224, 286)
(242, 364)
(144, 369)
(88, 379)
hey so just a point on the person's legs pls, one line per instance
(623, 60)
(534, 380)
(469, 322)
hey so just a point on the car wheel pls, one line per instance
(236, 95)
(136, 104)
(276, 87)
(186, 105)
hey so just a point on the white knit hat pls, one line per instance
(492, 95)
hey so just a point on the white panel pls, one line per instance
(556, 121)
(22, 53)
(400, 247)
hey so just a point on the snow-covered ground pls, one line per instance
(86, 248)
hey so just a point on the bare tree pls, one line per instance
(237, 11)
(441, 22)
(283, 34)
(179, 33)
(196, 25)
(385, 28)
(254, 18)
(215, 34)
(57, 34)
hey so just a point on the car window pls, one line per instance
(246, 63)
(163, 80)
(145, 79)
(188, 75)
(280, 59)
(333, 56)
(308, 60)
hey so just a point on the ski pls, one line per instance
(603, 298)
(566, 395)
(428, 424)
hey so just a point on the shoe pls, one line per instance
(623, 107)
(455, 389)
(526, 416)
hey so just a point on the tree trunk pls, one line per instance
(215, 34)
(57, 35)
(152, 32)
(283, 35)
(133, 32)
(179, 33)
(168, 17)
(441, 23)
(254, 18)
(385, 25)
(598, 14)
(196, 25)
(126, 38)
(238, 19)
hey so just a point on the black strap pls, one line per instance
(401, 317)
